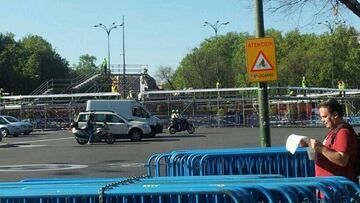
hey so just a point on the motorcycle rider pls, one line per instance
(175, 118)
(90, 125)
(179, 119)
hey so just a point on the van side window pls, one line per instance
(114, 119)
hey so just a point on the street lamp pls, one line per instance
(216, 27)
(108, 31)
(123, 55)
(331, 26)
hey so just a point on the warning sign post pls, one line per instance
(261, 60)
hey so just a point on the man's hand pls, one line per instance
(338, 158)
(316, 145)
(303, 143)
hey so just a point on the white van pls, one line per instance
(130, 110)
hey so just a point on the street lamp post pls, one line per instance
(216, 28)
(123, 55)
(108, 31)
(331, 28)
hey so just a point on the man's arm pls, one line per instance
(338, 158)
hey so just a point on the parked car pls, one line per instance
(7, 128)
(119, 127)
(25, 127)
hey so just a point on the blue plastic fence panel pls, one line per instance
(273, 160)
(251, 188)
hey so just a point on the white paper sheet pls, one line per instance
(293, 141)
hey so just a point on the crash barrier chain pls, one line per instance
(112, 185)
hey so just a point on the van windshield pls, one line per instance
(140, 112)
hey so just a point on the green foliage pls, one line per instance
(86, 65)
(164, 76)
(32, 59)
(310, 55)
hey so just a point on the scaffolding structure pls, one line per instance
(207, 107)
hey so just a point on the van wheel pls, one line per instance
(135, 135)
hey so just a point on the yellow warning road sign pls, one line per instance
(261, 60)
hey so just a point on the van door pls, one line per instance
(116, 124)
(140, 114)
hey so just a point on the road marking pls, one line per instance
(45, 140)
(40, 167)
(120, 164)
(27, 146)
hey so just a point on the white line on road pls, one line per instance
(40, 167)
(45, 140)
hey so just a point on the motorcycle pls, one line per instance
(180, 124)
(100, 133)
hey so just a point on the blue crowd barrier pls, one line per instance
(219, 189)
(234, 161)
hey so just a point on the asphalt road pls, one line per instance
(57, 155)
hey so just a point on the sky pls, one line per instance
(157, 32)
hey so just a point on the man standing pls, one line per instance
(337, 154)
(90, 125)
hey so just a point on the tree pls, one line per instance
(11, 60)
(164, 74)
(329, 6)
(41, 62)
(86, 64)
(32, 59)
(213, 60)
(298, 55)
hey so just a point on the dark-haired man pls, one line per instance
(337, 154)
(90, 125)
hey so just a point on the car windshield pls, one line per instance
(11, 119)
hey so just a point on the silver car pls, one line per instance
(25, 127)
(119, 127)
(7, 128)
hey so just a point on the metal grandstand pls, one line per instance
(207, 107)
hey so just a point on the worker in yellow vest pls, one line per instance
(217, 87)
(304, 84)
(343, 87)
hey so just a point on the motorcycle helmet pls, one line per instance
(92, 116)
(173, 111)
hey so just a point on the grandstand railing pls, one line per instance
(205, 107)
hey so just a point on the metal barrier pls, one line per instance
(219, 189)
(234, 161)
